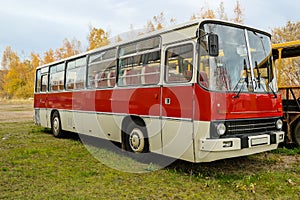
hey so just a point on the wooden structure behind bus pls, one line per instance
(290, 93)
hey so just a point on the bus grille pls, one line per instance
(250, 126)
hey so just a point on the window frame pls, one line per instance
(136, 76)
(192, 63)
(57, 71)
(111, 69)
(68, 69)
(38, 81)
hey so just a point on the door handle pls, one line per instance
(167, 101)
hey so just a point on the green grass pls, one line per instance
(288, 151)
(35, 165)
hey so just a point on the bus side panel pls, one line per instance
(136, 101)
(177, 121)
(60, 101)
(141, 102)
(40, 107)
(100, 113)
(202, 108)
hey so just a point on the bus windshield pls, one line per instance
(244, 62)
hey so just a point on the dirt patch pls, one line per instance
(287, 161)
(16, 111)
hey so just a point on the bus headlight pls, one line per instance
(221, 129)
(279, 124)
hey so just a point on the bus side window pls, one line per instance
(151, 68)
(130, 71)
(38, 81)
(179, 67)
(56, 77)
(102, 69)
(44, 81)
(141, 69)
(75, 74)
(140, 62)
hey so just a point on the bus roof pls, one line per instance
(152, 34)
(112, 45)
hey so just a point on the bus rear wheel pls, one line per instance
(297, 134)
(135, 138)
(56, 125)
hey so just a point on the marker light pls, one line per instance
(227, 144)
(221, 129)
(279, 124)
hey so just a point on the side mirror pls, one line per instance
(213, 44)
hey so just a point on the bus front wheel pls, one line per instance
(135, 140)
(56, 125)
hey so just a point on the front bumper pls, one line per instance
(241, 142)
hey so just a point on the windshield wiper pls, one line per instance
(258, 74)
(274, 93)
(259, 81)
(246, 79)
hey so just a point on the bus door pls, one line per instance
(42, 101)
(177, 101)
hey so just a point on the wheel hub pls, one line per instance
(55, 125)
(136, 141)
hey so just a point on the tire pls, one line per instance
(296, 134)
(56, 125)
(136, 140)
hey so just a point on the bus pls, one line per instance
(288, 53)
(200, 91)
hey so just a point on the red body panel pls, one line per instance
(220, 106)
(181, 101)
(176, 101)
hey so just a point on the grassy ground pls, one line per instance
(35, 165)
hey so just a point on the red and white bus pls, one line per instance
(201, 91)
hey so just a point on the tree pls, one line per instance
(14, 78)
(68, 49)
(18, 79)
(221, 12)
(207, 12)
(32, 64)
(6, 57)
(118, 39)
(48, 57)
(239, 16)
(35, 60)
(158, 22)
(290, 71)
(97, 38)
(2, 75)
(289, 32)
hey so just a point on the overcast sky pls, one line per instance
(36, 26)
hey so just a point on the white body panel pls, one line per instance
(186, 140)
